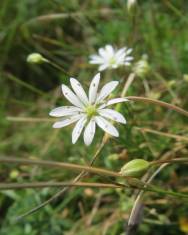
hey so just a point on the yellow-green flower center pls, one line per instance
(112, 61)
(91, 111)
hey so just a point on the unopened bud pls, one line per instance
(142, 68)
(36, 58)
(14, 174)
(135, 168)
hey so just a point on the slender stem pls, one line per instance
(164, 81)
(166, 192)
(174, 9)
(5, 186)
(60, 164)
(58, 67)
(170, 161)
(28, 119)
(174, 136)
(56, 16)
(24, 84)
(133, 218)
(128, 84)
(158, 102)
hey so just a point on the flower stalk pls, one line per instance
(69, 166)
(6, 186)
(160, 103)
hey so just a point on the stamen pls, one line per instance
(91, 111)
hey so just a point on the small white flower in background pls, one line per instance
(110, 58)
(87, 111)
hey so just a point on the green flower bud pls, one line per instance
(142, 68)
(135, 168)
(36, 58)
(14, 174)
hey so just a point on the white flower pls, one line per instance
(88, 111)
(108, 57)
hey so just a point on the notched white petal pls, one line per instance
(71, 97)
(64, 111)
(128, 58)
(113, 115)
(78, 129)
(67, 121)
(102, 53)
(106, 90)
(109, 50)
(113, 101)
(78, 89)
(95, 59)
(129, 51)
(93, 88)
(106, 126)
(89, 132)
(120, 52)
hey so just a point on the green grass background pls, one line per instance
(156, 28)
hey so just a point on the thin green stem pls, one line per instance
(166, 192)
(160, 133)
(160, 103)
(170, 161)
(57, 16)
(28, 119)
(69, 166)
(6, 186)
(57, 67)
(24, 84)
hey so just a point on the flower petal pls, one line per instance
(106, 126)
(89, 132)
(129, 58)
(67, 121)
(95, 59)
(113, 101)
(106, 90)
(103, 67)
(120, 52)
(128, 51)
(93, 88)
(64, 111)
(113, 115)
(78, 89)
(78, 129)
(71, 97)
(103, 53)
(109, 50)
